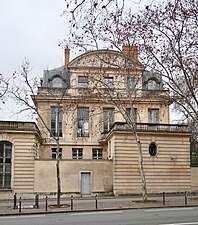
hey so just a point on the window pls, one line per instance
(82, 82)
(153, 115)
(77, 153)
(131, 82)
(83, 122)
(56, 121)
(57, 82)
(5, 164)
(96, 153)
(108, 82)
(108, 117)
(152, 149)
(54, 153)
(132, 114)
(152, 85)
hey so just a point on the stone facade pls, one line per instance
(84, 106)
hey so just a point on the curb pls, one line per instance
(93, 210)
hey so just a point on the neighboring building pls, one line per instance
(19, 143)
(98, 153)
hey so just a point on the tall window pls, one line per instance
(108, 117)
(56, 121)
(5, 164)
(54, 154)
(131, 82)
(83, 122)
(96, 153)
(108, 82)
(132, 114)
(82, 82)
(77, 153)
(153, 115)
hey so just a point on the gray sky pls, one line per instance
(32, 29)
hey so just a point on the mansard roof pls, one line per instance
(58, 77)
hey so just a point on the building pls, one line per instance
(88, 108)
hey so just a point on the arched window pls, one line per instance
(57, 82)
(5, 164)
(152, 85)
(152, 149)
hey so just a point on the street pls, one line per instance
(157, 216)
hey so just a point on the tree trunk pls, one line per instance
(58, 162)
(58, 178)
(142, 174)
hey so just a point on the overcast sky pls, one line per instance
(31, 29)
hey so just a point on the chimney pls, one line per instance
(131, 51)
(67, 50)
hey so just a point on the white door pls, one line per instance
(85, 183)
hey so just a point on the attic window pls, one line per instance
(152, 85)
(57, 82)
(82, 82)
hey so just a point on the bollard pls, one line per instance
(20, 204)
(15, 200)
(164, 200)
(46, 203)
(72, 204)
(37, 200)
(185, 198)
(96, 199)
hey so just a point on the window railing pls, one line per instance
(122, 126)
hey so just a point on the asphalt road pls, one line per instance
(158, 216)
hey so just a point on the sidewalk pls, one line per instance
(92, 204)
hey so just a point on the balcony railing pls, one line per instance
(149, 127)
(15, 125)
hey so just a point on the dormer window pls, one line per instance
(57, 82)
(82, 82)
(152, 85)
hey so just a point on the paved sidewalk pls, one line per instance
(92, 204)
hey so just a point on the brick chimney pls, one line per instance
(67, 50)
(131, 51)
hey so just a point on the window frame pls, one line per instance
(83, 83)
(131, 82)
(153, 149)
(153, 119)
(79, 153)
(83, 122)
(54, 153)
(98, 155)
(5, 164)
(109, 120)
(108, 82)
(56, 120)
(128, 113)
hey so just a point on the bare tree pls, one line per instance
(3, 87)
(166, 34)
(24, 91)
(168, 37)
